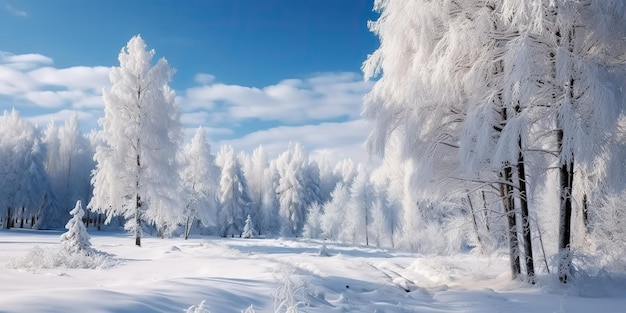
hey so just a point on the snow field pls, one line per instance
(279, 275)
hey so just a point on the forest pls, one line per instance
(500, 124)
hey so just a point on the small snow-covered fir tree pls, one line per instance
(248, 229)
(76, 239)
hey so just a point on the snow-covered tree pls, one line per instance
(248, 228)
(200, 178)
(331, 221)
(313, 228)
(234, 198)
(298, 188)
(76, 239)
(260, 185)
(77, 163)
(424, 97)
(381, 228)
(136, 172)
(359, 212)
(25, 192)
(69, 164)
(478, 89)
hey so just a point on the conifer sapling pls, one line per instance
(76, 239)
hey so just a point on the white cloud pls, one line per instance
(15, 11)
(24, 61)
(335, 141)
(320, 97)
(78, 77)
(29, 80)
(305, 110)
(204, 79)
(15, 82)
(320, 111)
(42, 120)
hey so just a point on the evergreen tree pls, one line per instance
(332, 219)
(260, 184)
(248, 229)
(312, 227)
(298, 187)
(76, 239)
(234, 198)
(200, 178)
(359, 211)
(25, 192)
(69, 164)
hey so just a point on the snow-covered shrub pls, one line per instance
(609, 232)
(43, 258)
(203, 308)
(75, 250)
(200, 308)
(291, 292)
(250, 309)
(323, 250)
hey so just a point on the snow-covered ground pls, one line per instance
(230, 275)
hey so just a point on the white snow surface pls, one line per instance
(281, 275)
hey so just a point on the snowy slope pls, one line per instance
(170, 275)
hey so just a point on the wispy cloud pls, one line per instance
(15, 11)
(331, 141)
(320, 111)
(319, 97)
(203, 78)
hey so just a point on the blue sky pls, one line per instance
(251, 72)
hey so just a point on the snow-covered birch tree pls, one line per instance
(136, 171)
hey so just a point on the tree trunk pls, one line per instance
(506, 193)
(138, 221)
(485, 211)
(565, 218)
(543, 250)
(7, 222)
(367, 240)
(566, 180)
(187, 227)
(528, 249)
(585, 214)
(137, 196)
(475, 223)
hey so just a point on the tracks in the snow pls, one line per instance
(396, 278)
